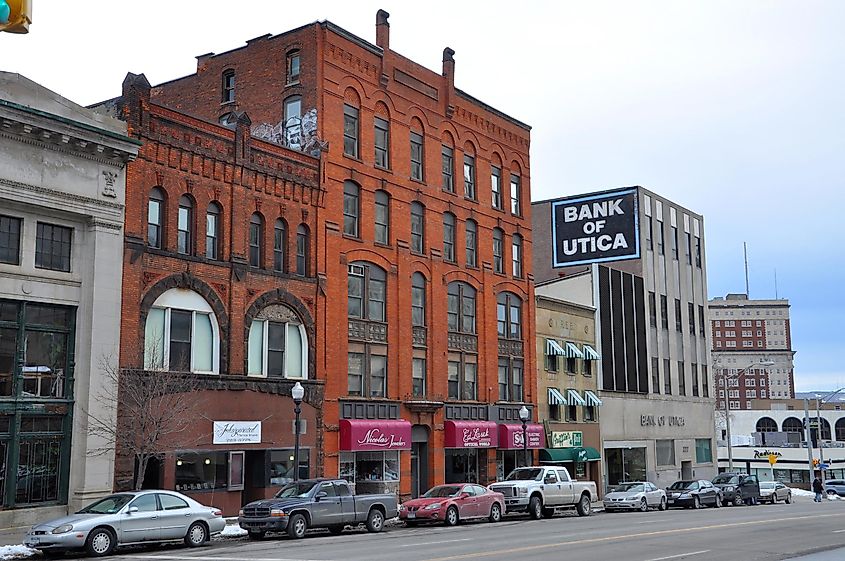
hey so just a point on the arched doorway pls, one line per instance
(419, 460)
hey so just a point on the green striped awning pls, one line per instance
(590, 353)
(553, 348)
(572, 351)
(555, 397)
(574, 398)
(592, 399)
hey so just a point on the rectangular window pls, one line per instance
(469, 177)
(701, 321)
(196, 471)
(351, 204)
(678, 321)
(38, 469)
(179, 359)
(293, 68)
(53, 247)
(302, 254)
(418, 305)
(496, 186)
(382, 142)
(682, 379)
(447, 160)
(703, 452)
(695, 380)
(649, 231)
(571, 365)
(691, 318)
(228, 86)
(276, 348)
(660, 237)
(278, 249)
(470, 381)
(516, 196)
(667, 377)
(355, 373)
(652, 309)
(517, 380)
(416, 156)
(498, 249)
(665, 450)
(454, 379)
(504, 367)
(552, 363)
(417, 229)
(664, 312)
(378, 376)
(255, 244)
(698, 252)
(10, 240)
(350, 131)
(571, 414)
(655, 375)
(449, 238)
(689, 248)
(418, 377)
(675, 243)
(590, 414)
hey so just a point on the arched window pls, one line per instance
(367, 284)
(766, 424)
(449, 237)
(417, 228)
(447, 164)
(351, 208)
(516, 255)
(303, 250)
(509, 315)
(472, 243)
(382, 200)
(293, 122)
(418, 299)
(793, 424)
(516, 195)
(212, 231)
(498, 251)
(381, 137)
(155, 219)
(256, 240)
(469, 173)
(228, 87)
(185, 226)
(417, 139)
(496, 182)
(840, 429)
(511, 363)
(181, 334)
(280, 243)
(350, 130)
(461, 308)
(278, 344)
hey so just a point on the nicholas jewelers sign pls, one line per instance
(595, 228)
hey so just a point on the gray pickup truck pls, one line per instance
(541, 490)
(316, 503)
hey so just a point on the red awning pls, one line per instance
(373, 435)
(471, 434)
(510, 436)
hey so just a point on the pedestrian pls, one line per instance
(818, 489)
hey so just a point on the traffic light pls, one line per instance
(815, 462)
(15, 15)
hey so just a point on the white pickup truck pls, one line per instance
(542, 490)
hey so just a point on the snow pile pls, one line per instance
(232, 531)
(810, 494)
(16, 552)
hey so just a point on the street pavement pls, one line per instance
(804, 530)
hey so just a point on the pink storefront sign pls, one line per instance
(471, 434)
(510, 436)
(364, 436)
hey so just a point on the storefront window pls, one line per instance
(625, 464)
(198, 471)
(506, 462)
(703, 452)
(371, 472)
(462, 465)
(281, 466)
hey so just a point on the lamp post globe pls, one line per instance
(524, 415)
(297, 393)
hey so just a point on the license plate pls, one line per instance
(412, 515)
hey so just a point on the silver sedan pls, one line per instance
(129, 518)
(773, 491)
(636, 495)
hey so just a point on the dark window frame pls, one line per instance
(10, 239)
(381, 142)
(51, 253)
(256, 240)
(418, 237)
(417, 145)
(447, 166)
(351, 131)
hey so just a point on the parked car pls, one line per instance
(835, 487)
(635, 495)
(541, 490)
(128, 518)
(693, 493)
(316, 503)
(738, 488)
(774, 491)
(451, 504)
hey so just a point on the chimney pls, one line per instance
(382, 30)
(449, 74)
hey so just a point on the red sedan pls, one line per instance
(453, 503)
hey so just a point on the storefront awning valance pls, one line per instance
(572, 351)
(510, 436)
(581, 454)
(592, 399)
(360, 435)
(471, 434)
(590, 353)
(553, 348)
(574, 398)
(555, 397)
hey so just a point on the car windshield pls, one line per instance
(684, 485)
(628, 487)
(523, 474)
(107, 505)
(726, 480)
(291, 490)
(442, 491)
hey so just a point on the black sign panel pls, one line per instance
(595, 228)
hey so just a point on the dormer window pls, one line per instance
(228, 86)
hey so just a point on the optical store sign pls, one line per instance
(595, 228)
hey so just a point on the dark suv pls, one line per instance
(738, 488)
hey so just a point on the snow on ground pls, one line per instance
(232, 530)
(16, 552)
(810, 494)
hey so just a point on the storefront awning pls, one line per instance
(510, 436)
(555, 397)
(572, 351)
(471, 434)
(374, 435)
(574, 398)
(592, 399)
(590, 353)
(553, 348)
(581, 454)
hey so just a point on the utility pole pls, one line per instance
(807, 436)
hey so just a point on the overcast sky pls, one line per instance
(735, 110)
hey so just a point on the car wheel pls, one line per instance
(738, 499)
(663, 505)
(643, 505)
(788, 498)
(336, 530)
(101, 541)
(197, 535)
(256, 535)
(584, 506)
(375, 521)
(297, 526)
(696, 502)
(451, 516)
(535, 508)
(718, 502)
(495, 513)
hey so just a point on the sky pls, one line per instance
(735, 110)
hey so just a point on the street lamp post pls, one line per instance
(297, 393)
(762, 363)
(524, 415)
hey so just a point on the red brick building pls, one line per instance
(421, 219)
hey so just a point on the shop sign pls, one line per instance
(510, 436)
(567, 439)
(766, 453)
(471, 434)
(661, 421)
(595, 228)
(237, 432)
(375, 435)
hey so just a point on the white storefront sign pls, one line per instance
(237, 432)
